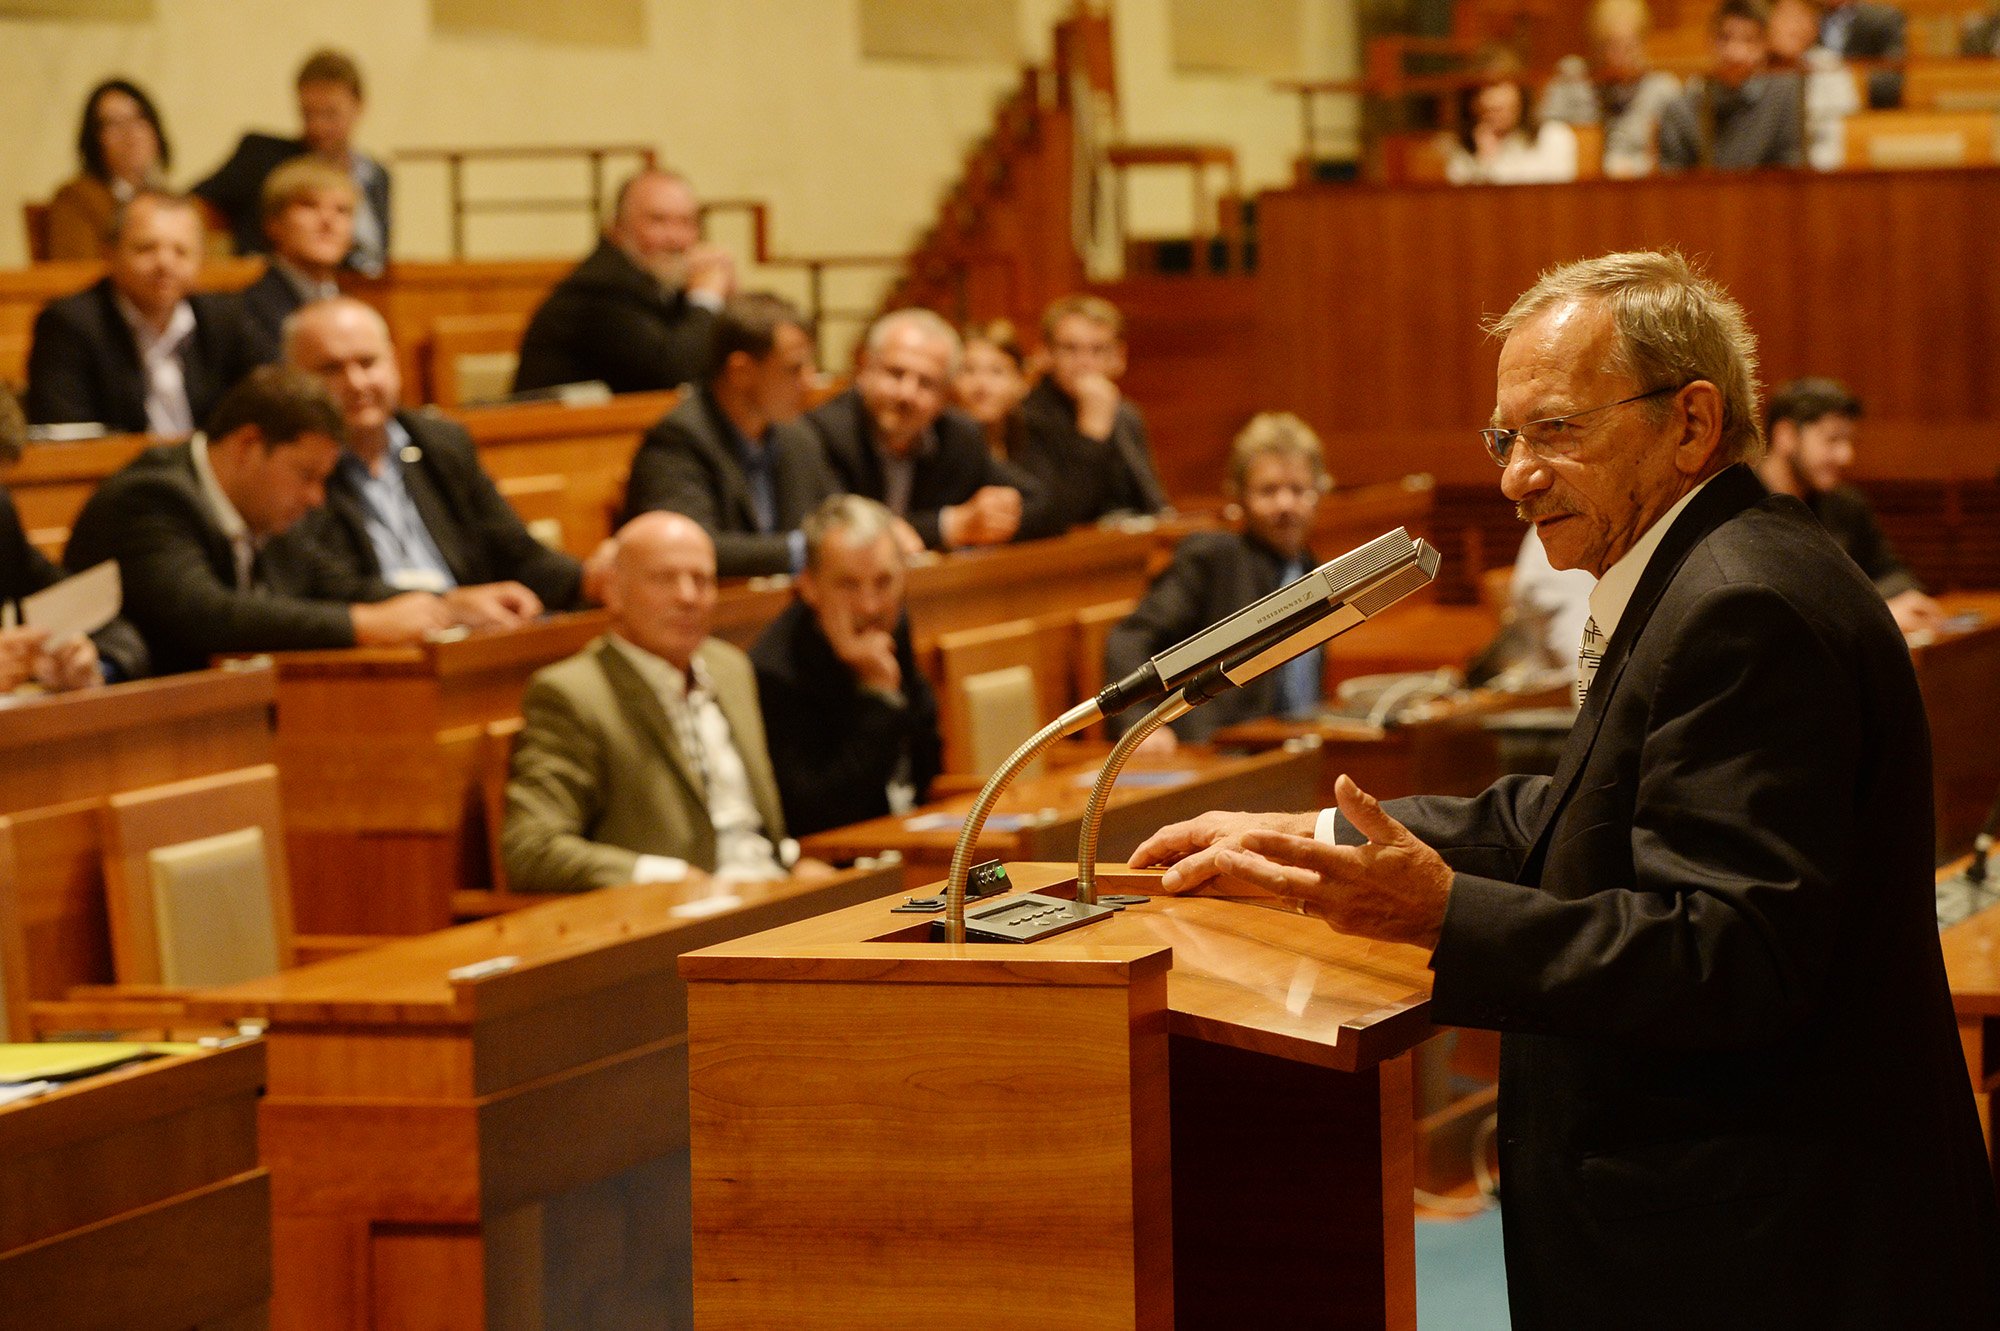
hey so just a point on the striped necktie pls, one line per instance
(1588, 659)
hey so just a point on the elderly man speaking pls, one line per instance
(1731, 1092)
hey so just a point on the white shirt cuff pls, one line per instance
(659, 869)
(707, 300)
(1323, 830)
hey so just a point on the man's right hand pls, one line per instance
(990, 517)
(710, 271)
(20, 648)
(400, 620)
(1097, 399)
(870, 653)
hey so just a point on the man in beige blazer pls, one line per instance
(642, 757)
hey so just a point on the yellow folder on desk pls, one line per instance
(59, 1062)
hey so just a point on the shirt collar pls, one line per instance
(392, 456)
(1613, 591)
(661, 674)
(180, 324)
(307, 288)
(232, 523)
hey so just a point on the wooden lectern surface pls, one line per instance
(133, 1199)
(1243, 974)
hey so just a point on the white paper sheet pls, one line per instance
(82, 604)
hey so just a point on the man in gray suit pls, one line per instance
(642, 758)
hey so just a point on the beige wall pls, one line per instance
(753, 98)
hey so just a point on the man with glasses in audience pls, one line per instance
(1731, 1088)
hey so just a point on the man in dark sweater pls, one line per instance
(851, 723)
(1811, 425)
(637, 314)
(187, 524)
(1085, 442)
(1277, 473)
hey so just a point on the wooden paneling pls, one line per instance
(1370, 300)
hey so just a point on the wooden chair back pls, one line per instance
(473, 357)
(1589, 151)
(51, 874)
(195, 881)
(1952, 85)
(1901, 140)
(14, 1023)
(35, 223)
(1001, 712)
(1045, 646)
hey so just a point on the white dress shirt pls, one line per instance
(241, 543)
(168, 415)
(743, 853)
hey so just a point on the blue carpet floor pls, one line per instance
(1461, 1278)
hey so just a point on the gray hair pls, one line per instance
(290, 330)
(864, 520)
(928, 322)
(1674, 326)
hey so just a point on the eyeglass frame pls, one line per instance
(1492, 435)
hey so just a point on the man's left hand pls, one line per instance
(1394, 888)
(492, 605)
(1915, 611)
(71, 664)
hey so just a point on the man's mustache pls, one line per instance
(1550, 508)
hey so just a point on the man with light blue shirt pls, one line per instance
(1722, 895)
(409, 502)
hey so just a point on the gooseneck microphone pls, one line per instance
(1299, 616)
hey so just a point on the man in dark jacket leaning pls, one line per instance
(851, 722)
(409, 502)
(638, 312)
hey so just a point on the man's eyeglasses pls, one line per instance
(1554, 435)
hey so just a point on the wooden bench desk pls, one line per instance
(1049, 809)
(133, 1199)
(501, 1149)
(1959, 673)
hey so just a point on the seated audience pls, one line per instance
(1738, 116)
(1498, 143)
(642, 757)
(992, 381)
(309, 221)
(187, 524)
(1084, 442)
(1626, 95)
(136, 352)
(891, 437)
(112, 653)
(124, 151)
(1277, 473)
(851, 720)
(408, 502)
(637, 313)
(1830, 94)
(1862, 31)
(1982, 35)
(1810, 424)
(330, 104)
(734, 455)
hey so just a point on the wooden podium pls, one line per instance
(498, 1146)
(1193, 1114)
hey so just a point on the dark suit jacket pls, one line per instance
(263, 306)
(834, 744)
(84, 365)
(1731, 1089)
(951, 471)
(611, 320)
(480, 536)
(1850, 520)
(180, 574)
(1213, 574)
(1087, 478)
(690, 462)
(24, 570)
(237, 189)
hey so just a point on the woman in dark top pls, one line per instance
(992, 380)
